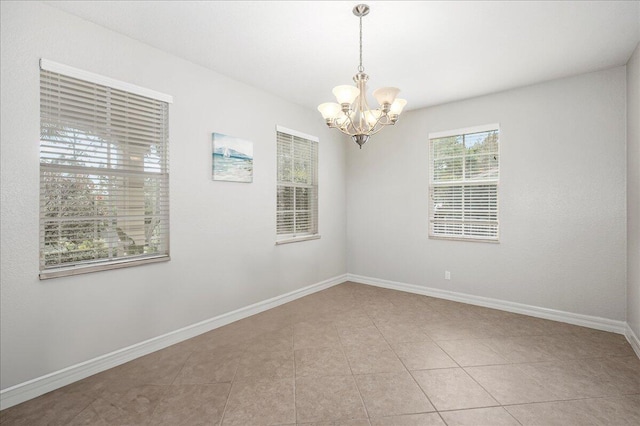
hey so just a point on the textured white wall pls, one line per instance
(562, 199)
(633, 191)
(222, 234)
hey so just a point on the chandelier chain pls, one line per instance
(361, 68)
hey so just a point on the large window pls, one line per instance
(104, 173)
(463, 187)
(297, 204)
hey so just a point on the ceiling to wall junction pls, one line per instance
(436, 52)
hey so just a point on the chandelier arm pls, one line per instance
(372, 131)
(346, 131)
(378, 122)
(377, 130)
(348, 123)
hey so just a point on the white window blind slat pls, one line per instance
(464, 184)
(104, 177)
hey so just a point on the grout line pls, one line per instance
(407, 369)
(235, 373)
(84, 408)
(295, 371)
(353, 377)
(586, 398)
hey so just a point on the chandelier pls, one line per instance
(351, 114)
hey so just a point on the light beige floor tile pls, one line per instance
(321, 362)
(89, 417)
(131, 407)
(622, 410)
(260, 402)
(224, 338)
(622, 373)
(352, 319)
(520, 349)
(368, 335)
(570, 379)
(357, 422)
(273, 341)
(209, 367)
(272, 319)
(509, 384)
(390, 394)
(266, 364)
(592, 377)
(422, 355)
(398, 332)
(321, 399)
(563, 413)
(428, 419)
(158, 368)
(312, 325)
(471, 352)
(565, 346)
(192, 405)
(518, 326)
(452, 389)
(373, 359)
(53, 408)
(494, 416)
(610, 346)
(315, 335)
(460, 329)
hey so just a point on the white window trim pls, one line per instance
(288, 240)
(69, 71)
(101, 265)
(465, 130)
(88, 268)
(291, 132)
(282, 239)
(458, 132)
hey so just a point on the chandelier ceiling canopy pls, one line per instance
(351, 114)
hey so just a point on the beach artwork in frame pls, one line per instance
(232, 159)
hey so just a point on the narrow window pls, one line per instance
(104, 173)
(297, 187)
(463, 187)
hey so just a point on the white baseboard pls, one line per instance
(598, 323)
(24, 391)
(633, 340)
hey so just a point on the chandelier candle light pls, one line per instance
(352, 115)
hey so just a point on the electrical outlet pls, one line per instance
(447, 275)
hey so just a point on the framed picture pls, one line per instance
(232, 159)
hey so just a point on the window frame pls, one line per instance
(464, 183)
(49, 165)
(286, 238)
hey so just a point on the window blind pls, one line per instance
(104, 176)
(464, 186)
(297, 188)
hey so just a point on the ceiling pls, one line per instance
(436, 52)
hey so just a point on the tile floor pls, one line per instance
(360, 355)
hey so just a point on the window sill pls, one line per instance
(85, 269)
(298, 239)
(473, 240)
